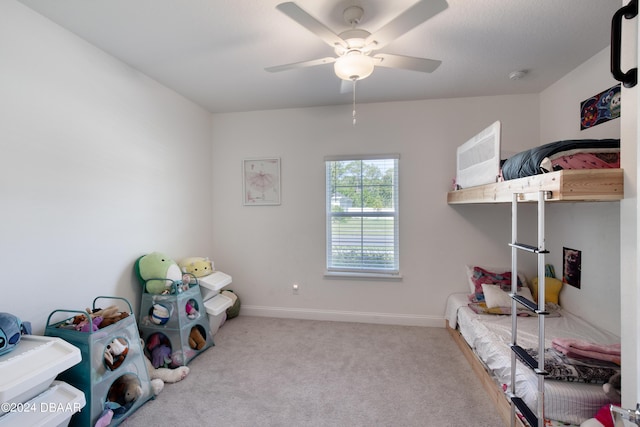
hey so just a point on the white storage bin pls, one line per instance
(31, 367)
(210, 285)
(216, 309)
(52, 407)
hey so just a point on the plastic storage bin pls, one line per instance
(53, 407)
(183, 312)
(31, 367)
(217, 310)
(211, 285)
(95, 376)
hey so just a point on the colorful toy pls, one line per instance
(11, 328)
(198, 266)
(158, 272)
(160, 314)
(190, 309)
(84, 325)
(160, 376)
(159, 351)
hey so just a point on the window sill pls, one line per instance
(362, 276)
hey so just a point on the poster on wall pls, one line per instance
(572, 266)
(261, 181)
(600, 108)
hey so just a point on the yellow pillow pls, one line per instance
(552, 288)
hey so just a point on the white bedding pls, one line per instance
(490, 335)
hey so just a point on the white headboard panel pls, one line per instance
(478, 159)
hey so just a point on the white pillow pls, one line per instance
(496, 297)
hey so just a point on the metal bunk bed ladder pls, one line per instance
(535, 419)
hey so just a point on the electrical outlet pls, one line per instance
(295, 288)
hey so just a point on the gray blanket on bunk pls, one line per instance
(527, 163)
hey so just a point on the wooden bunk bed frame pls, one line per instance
(571, 185)
(494, 391)
(576, 185)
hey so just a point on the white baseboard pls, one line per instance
(343, 316)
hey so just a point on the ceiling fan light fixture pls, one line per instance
(353, 66)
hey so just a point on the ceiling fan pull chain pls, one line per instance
(354, 101)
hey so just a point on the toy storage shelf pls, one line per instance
(175, 331)
(93, 375)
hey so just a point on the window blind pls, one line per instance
(362, 214)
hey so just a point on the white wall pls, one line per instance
(99, 164)
(267, 248)
(593, 228)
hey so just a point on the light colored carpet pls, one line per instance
(285, 372)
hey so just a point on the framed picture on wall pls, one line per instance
(261, 181)
(572, 266)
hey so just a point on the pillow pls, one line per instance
(477, 275)
(496, 297)
(552, 288)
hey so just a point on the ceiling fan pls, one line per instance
(355, 47)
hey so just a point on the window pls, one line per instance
(362, 214)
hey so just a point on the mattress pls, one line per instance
(489, 336)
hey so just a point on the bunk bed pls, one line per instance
(545, 174)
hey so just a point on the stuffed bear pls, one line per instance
(158, 272)
(125, 390)
(198, 266)
(196, 340)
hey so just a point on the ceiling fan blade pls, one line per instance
(407, 20)
(423, 65)
(296, 13)
(303, 64)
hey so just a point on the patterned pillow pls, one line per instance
(494, 276)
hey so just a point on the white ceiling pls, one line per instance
(214, 51)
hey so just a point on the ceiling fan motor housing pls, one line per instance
(353, 14)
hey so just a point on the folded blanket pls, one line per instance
(576, 348)
(563, 368)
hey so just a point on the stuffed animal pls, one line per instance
(11, 329)
(196, 340)
(160, 376)
(190, 309)
(109, 315)
(603, 416)
(125, 390)
(159, 351)
(613, 388)
(158, 272)
(198, 266)
(160, 314)
(84, 325)
(115, 352)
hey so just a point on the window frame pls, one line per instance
(331, 270)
